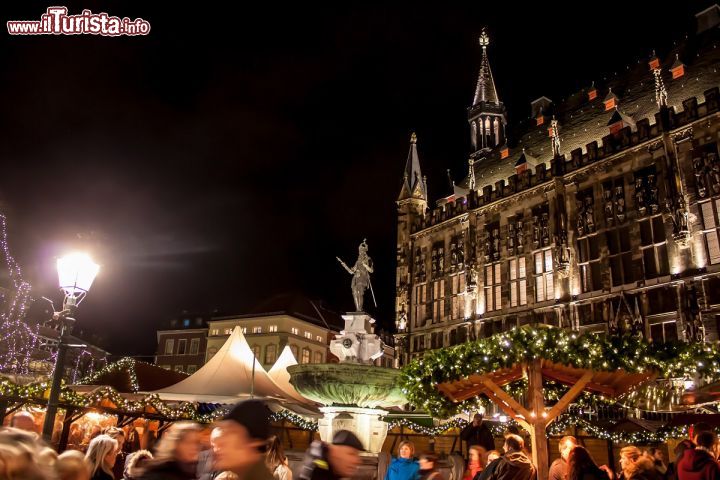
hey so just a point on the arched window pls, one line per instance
(318, 357)
(305, 355)
(473, 134)
(257, 351)
(294, 350)
(270, 354)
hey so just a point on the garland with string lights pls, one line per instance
(302, 423)
(557, 428)
(17, 339)
(595, 351)
(35, 393)
(125, 364)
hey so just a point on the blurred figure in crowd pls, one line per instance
(331, 461)
(276, 460)
(135, 464)
(176, 454)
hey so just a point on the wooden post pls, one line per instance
(611, 455)
(4, 404)
(67, 421)
(538, 436)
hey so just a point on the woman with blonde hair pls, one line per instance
(101, 456)
(176, 454)
(636, 466)
(404, 466)
(276, 461)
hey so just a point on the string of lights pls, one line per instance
(302, 423)
(125, 364)
(17, 339)
(595, 351)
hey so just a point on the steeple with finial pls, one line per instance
(413, 182)
(487, 116)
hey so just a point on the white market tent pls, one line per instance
(281, 377)
(231, 375)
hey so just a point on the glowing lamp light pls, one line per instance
(76, 273)
(503, 418)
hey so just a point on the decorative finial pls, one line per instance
(484, 39)
(661, 94)
(413, 138)
(471, 174)
(555, 138)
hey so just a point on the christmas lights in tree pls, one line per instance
(18, 340)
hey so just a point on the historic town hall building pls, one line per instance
(601, 214)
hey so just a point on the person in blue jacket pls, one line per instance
(404, 466)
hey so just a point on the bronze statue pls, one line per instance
(361, 276)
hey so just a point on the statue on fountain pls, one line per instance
(361, 276)
(357, 343)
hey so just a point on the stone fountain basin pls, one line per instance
(348, 384)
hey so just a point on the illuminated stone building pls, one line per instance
(601, 212)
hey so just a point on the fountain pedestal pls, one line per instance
(354, 391)
(366, 423)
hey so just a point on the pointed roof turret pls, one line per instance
(413, 182)
(485, 91)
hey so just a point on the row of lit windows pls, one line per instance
(432, 303)
(517, 273)
(271, 329)
(182, 347)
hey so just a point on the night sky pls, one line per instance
(232, 153)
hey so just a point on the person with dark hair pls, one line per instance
(559, 468)
(582, 467)
(698, 428)
(428, 467)
(514, 464)
(678, 452)
(240, 443)
(699, 463)
(332, 461)
(477, 433)
(658, 458)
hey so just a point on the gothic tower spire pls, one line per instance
(413, 182)
(485, 90)
(487, 115)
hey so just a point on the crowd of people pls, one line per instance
(241, 447)
(693, 459)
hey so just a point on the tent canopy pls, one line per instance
(232, 374)
(281, 377)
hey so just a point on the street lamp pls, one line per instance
(76, 273)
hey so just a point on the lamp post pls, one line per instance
(76, 273)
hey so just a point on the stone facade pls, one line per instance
(602, 215)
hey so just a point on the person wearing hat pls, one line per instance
(332, 461)
(240, 441)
